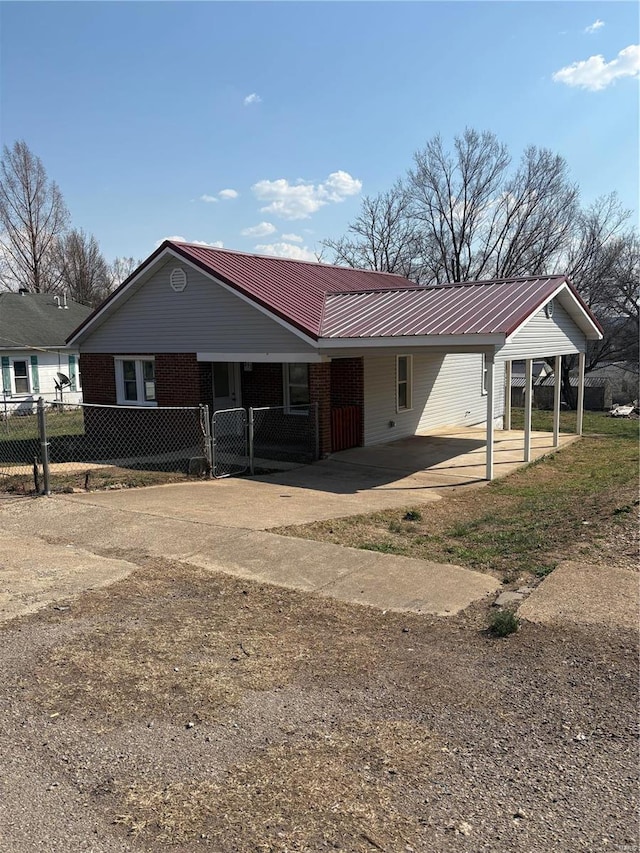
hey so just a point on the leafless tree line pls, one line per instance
(471, 213)
(39, 252)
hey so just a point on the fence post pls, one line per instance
(208, 446)
(251, 467)
(44, 446)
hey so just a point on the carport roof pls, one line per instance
(492, 307)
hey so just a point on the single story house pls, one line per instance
(34, 357)
(199, 325)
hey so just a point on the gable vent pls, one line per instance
(178, 279)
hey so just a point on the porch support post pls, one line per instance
(557, 384)
(527, 408)
(506, 424)
(490, 380)
(580, 410)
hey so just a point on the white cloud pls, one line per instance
(595, 74)
(210, 199)
(253, 98)
(594, 27)
(300, 200)
(287, 250)
(218, 244)
(261, 230)
(293, 238)
(228, 194)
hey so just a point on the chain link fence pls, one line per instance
(283, 434)
(63, 447)
(103, 444)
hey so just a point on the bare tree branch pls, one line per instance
(33, 216)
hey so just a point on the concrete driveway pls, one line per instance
(410, 471)
(53, 549)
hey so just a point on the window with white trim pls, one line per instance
(296, 386)
(135, 381)
(404, 383)
(21, 376)
(483, 379)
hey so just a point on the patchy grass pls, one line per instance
(90, 479)
(176, 649)
(334, 787)
(524, 523)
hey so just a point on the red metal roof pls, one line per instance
(325, 301)
(468, 308)
(294, 290)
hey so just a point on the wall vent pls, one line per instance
(178, 279)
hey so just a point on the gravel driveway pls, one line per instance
(184, 710)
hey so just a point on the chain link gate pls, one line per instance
(230, 443)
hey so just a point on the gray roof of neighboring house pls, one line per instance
(34, 320)
(589, 381)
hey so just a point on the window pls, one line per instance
(296, 385)
(404, 383)
(21, 377)
(136, 381)
(483, 376)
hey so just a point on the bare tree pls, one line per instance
(33, 216)
(383, 237)
(466, 214)
(485, 221)
(120, 269)
(81, 267)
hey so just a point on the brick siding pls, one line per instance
(320, 393)
(98, 378)
(262, 385)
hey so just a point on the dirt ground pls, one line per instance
(183, 710)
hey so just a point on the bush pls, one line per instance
(413, 515)
(503, 623)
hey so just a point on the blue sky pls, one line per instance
(142, 111)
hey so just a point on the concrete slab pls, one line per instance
(34, 573)
(365, 479)
(293, 497)
(586, 595)
(347, 574)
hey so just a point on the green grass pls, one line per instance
(24, 427)
(522, 524)
(594, 423)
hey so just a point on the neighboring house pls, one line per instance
(597, 392)
(539, 370)
(200, 325)
(623, 377)
(33, 352)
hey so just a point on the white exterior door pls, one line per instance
(226, 385)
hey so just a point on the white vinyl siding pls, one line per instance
(204, 317)
(442, 395)
(545, 336)
(49, 364)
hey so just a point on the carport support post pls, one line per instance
(557, 383)
(528, 391)
(507, 396)
(490, 385)
(580, 411)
